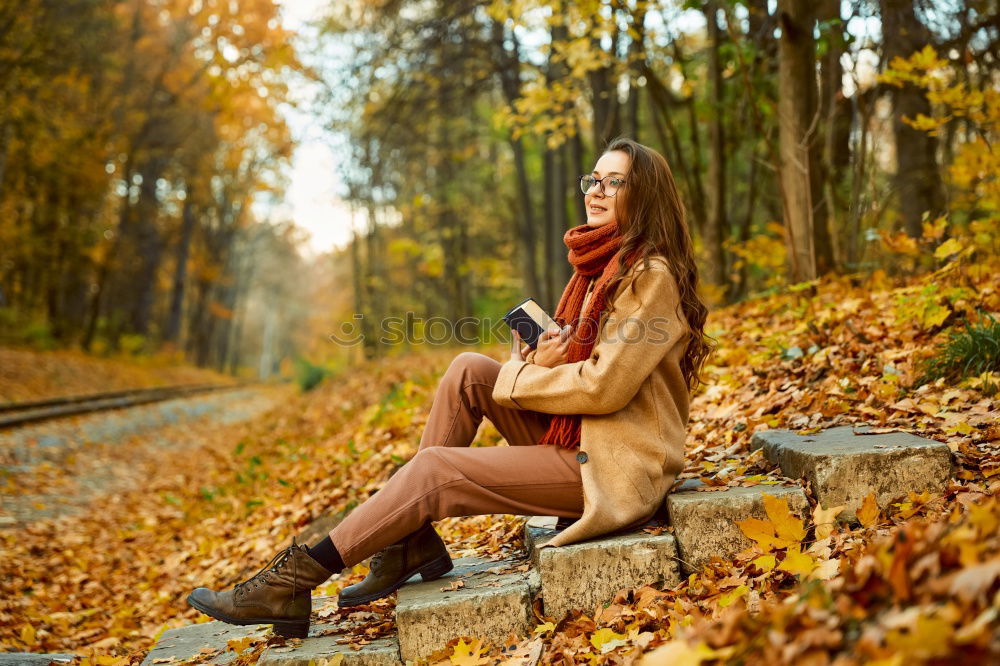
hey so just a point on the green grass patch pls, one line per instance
(969, 352)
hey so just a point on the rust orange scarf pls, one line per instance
(592, 251)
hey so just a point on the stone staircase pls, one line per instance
(494, 599)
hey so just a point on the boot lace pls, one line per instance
(264, 575)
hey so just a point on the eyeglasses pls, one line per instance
(609, 184)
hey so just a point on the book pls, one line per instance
(529, 320)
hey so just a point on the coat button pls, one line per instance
(581, 457)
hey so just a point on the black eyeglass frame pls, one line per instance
(601, 181)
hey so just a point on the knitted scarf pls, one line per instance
(592, 251)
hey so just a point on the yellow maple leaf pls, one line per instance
(335, 660)
(765, 562)
(928, 638)
(237, 645)
(468, 654)
(786, 525)
(729, 597)
(679, 652)
(984, 517)
(825, 519)
(947, 248)
(868, 513)
(761, 531)
(606, 639)
(28, 634)
(961, 428)
(797, 562)
(545, 626)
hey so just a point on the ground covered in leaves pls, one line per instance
(26, 374)
(916, 581)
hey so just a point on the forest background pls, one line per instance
(143, 141)
(838, 161)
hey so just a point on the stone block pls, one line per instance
(705, 522)
(380, 652)
(185, 643)
(32, 659)
(587, 574)
(488, 605)
(843, 467)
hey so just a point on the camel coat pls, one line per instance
(632, 399)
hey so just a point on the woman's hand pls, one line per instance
(552, 347)
(516, 350)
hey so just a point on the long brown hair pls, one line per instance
(652, 221)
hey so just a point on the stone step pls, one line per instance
(32, 659)
(380, 652)
(591, 573)
(843, 465)
(705, 522)
(481, 599)
(186, 644)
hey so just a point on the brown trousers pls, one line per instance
(448, 478)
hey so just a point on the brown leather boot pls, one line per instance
(278, 594)
(422, 552)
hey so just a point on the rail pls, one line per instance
(21, 413)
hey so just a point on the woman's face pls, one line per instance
(601, 209)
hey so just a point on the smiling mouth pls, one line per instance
(597, 209)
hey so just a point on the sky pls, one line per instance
(311, 199)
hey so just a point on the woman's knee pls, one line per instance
(472, 366)
(431, 469)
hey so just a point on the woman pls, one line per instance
(595, 417)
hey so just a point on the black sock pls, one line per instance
(326, 554)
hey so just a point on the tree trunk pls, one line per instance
(579, 167)
(797, 137)
(372, 289)
(835, 114)
(717, 224)
(357, 277)
(172, 330)
(661, 103)
(555, 192)
(918, 180)
(509, 73)
(528, 224)
(604, 103)
(636, 56)
(149, 247)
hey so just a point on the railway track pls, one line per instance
(21, 413)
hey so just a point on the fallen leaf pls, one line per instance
(542, 628)
(787, 526)
(826, 570)
(765, 562)
(868, 514)
(825, 520)
(729, 597)
(606, 639)
(760, 531)
(797, 562)
(680, 653)
(975, 581)
(237, 645)
(469, 654)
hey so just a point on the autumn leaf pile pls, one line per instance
(108, 581)
(26, 374)
(914, 581)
